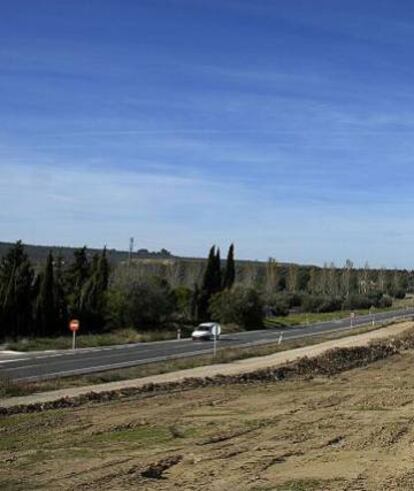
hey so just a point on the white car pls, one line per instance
(206, 331)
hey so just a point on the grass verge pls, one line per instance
(304, 318)
(122, 336)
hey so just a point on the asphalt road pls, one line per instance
(47, 365)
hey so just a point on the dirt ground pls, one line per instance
(354, 431)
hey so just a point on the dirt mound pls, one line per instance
(157, 469)
(384, 435)
(383, 399)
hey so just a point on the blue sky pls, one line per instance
(284, 126)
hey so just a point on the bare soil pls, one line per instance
(353, 431)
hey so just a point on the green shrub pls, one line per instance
(278, 304)
(141, 304)
(241, 306)
(320, 303)
(398, 293)
(366, 301)
(183, 299)
(384, 302)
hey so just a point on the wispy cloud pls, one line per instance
(54, 205)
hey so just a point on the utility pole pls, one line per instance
(131, 250)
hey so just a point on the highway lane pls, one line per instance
(39, 366)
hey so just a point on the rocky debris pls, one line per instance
(384, 435)
(280, 459)
(176, 431)
(156, 470)
(327, 364)
(228, 435)
(336, 442)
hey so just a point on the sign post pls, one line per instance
(215, 345)
(74, 327)
(216, 330)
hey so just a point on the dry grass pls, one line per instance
(121, 336)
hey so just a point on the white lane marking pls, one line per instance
(12, 359)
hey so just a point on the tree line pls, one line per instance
(330, 288)
(39, 300)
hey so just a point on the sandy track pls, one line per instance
(233, 368)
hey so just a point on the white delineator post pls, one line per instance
(280, 338)
(178, 334)
(216, 332)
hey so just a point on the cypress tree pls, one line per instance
(208, 285)
(93, 268)
(16, 282)
(47, 320)
(60, 296)
(79, 270)
(92, 302)
(34, 328)
(217, 272)
(77, 276)
(103, 272)
(212, 283)
(230, 271)
(209, 279)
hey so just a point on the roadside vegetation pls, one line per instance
(144, 300)
(120, 336)
(304, 318)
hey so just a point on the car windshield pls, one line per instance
(203, 328)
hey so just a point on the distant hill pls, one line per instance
(177, 270)
(38, 253)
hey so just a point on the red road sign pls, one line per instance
(74, 325)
